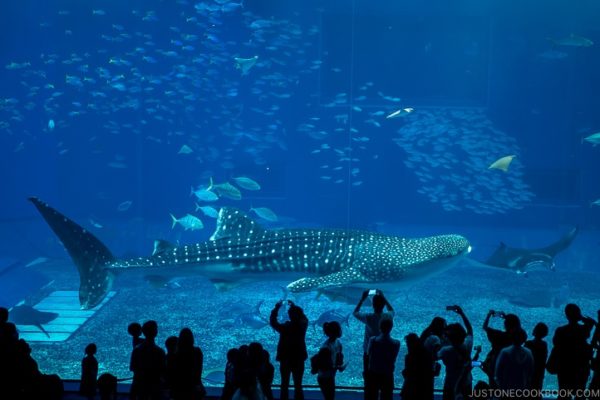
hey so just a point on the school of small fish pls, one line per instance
(454, 154)
(220, 96)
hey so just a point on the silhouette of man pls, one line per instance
(371, 321)
(148, 364)
(382, 352)
(291, 348)
(573, 352)
(498, 340)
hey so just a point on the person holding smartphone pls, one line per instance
(291, 348)
(457, 357)
(371, 321)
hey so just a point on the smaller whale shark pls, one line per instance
(519, 260)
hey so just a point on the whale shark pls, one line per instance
(519, 259)
(240, 248)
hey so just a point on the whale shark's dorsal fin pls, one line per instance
(232, 222)
(160, 246)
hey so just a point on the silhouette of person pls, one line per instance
(291, 348)
(171, 346)
(573, 352)
(267, 375)
(8, 347)
(498, 340)
(333, 359)
(187, 382)
(382, 352)
(230, 386)
(595, 364)
(89, 372)
(433, 339)
(539, 351)
(135, 330)
(371, 321)
(457, 357)
(107, 387)
(418, 371)
(148, 363)
(514, 364)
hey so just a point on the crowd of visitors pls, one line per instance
(513, 364)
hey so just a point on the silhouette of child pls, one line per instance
(332, 359)
(107, 387)
(539, 350)
(230, 386)
(171, 346)
(89, 372)
(135, 330)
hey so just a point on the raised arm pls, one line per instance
(273, 317)
(486, 322)
(364, 296)
(466, 322)
(387, 303)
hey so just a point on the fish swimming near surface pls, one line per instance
(572, 41)
(27, 315)
(241, 249)
(519, 260)
(594, 138)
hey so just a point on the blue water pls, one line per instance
(99, 98)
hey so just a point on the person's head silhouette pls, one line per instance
(378, 303)
(386, 326)
(295, 313)
(333, 330)
(511, 323)
(540, 331)
(3, 315)
(573, 313)
(90, 349)
(150, 329)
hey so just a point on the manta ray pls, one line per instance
(240, 249)
(520, 260)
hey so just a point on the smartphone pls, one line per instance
(475, 364)
(449, 308)
(372, 292)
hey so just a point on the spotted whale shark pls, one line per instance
(240, 248)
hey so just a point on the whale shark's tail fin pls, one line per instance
(561, 244)
(89, 254)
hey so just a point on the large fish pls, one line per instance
(241, 249)
(519, 260)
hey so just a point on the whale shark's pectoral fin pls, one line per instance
(341, 278)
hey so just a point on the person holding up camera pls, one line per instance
(371, 321)
(291, 348)
(457, 357)
(498, 340)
